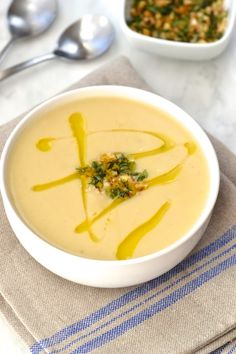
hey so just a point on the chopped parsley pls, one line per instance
(195, 21)
(116, 175)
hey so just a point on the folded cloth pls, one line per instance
(190, 309)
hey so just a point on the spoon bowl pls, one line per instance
(87, 38)
(29, 18)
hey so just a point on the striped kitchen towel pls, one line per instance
(190, 309)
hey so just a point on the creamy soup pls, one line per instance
(61, 189)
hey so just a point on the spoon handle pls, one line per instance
(5, 49)
(25, 64)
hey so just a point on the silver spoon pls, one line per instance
(28, 18)
(88, 38)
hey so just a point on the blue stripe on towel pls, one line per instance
(232, 350)
(166, 288)
(219, 350)
(133, 294)
(159, 306)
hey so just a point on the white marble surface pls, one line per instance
(206, 90)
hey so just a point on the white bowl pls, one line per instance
(178, 50)
(111, 273)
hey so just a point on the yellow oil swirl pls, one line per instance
(127, 247)
(89, 222)
(45, 144)
(56, 183)
(167, 143)
(191, 147)
(78, 128)
(167, 177)
(161, 179)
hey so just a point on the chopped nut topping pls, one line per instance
(115, 174)
(195, 21)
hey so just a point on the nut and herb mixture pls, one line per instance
(115, 174)
(195, 21)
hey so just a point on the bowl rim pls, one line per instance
(133, 94)
(231, 7)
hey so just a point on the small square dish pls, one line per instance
(176, 49)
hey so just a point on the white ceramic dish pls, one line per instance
(178, 50)
(109, 273)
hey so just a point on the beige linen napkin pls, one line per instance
(190, 309)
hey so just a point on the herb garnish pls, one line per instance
(195, 21)
(115, 174)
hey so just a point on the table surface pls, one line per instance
(206, 90)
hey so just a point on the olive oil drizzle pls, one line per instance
(167, 177)
(56, 183)
(45, 144)
(84, 225)
(78, 128)
(161, 179)
(167, 143)
(190, 147)
(127, 246)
